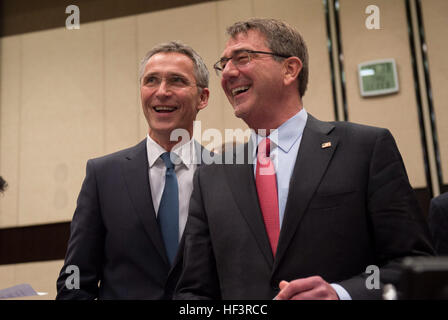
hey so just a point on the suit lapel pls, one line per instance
(137, 179)
(316, 150)
(240, 178)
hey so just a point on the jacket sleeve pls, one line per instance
(438, 223)
(85, 246)
(397, 225)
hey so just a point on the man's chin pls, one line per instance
(174, 131)
(239, 113)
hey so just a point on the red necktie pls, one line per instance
(266, 183)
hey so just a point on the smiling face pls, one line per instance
(252, 89)
(169, 95)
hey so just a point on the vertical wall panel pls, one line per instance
(436, 23)
(121, 91)
(397, 112)
(10, 97)
(61, 119)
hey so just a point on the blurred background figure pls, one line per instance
(3, 184)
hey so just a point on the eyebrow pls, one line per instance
(233, 53)
(169, 74)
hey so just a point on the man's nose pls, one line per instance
(163, 89)
(229, 70)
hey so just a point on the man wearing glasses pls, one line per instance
(315, 205)
(125, 240)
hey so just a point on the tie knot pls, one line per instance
(264, 147)
(166, 157)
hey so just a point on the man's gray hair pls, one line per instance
(201, 73)
(281, 38)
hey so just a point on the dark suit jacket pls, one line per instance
(349, 206)
(114, 235)
(438, 223)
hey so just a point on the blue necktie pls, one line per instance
(168, 215)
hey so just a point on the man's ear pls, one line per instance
(292, 67)
(203, 99)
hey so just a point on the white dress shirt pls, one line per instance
(184, 172)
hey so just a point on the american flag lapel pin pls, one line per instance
(326, 145)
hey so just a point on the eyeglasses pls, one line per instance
(241, 58)
(171, 82)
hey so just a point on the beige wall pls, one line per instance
(436, 24)
(397, 112)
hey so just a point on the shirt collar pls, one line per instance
(186, 152)
(286, 135)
